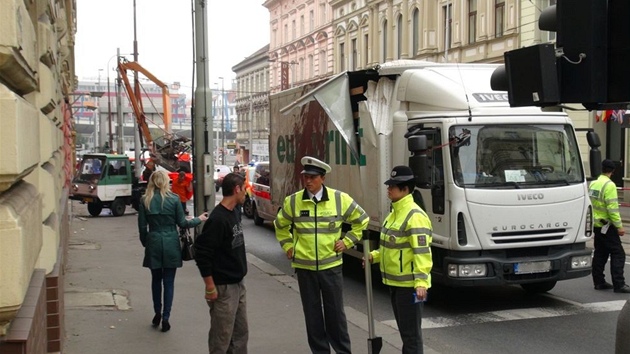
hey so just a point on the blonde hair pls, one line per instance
(159, 180)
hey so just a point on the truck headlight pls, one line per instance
(578, 262)
(467, 270)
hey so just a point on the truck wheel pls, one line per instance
(257, 219)
(537, 288)
(117, 207)
(95, 208)
(247, 208)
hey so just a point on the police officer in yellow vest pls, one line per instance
(315, 246)
(405, 259)
(608, 228)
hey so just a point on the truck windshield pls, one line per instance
(91, 169)
(514, 156)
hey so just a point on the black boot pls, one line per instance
(165, 326)
(156, 320)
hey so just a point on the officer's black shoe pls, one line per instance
(604, 286)
(624, 289)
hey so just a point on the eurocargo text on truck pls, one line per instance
(504, 187)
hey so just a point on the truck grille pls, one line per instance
(528, 236)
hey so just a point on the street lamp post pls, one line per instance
(96, 114)
(222, 121)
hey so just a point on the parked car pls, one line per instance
(220, 171)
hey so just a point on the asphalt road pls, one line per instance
(571, 318)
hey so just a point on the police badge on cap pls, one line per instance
(313, 166)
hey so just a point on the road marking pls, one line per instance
(518, 314)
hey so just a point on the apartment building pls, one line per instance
(252, 106)
(300, 48)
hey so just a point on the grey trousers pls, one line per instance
(319, 289)
(228, 320)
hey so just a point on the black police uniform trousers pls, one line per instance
(324, 289)
(408, 316)
(606, 245)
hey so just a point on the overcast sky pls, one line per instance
(237, 28)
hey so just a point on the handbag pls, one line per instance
(188, 245)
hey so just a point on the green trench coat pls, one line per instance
(158, 231)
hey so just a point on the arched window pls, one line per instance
(384, 45)
(416, 32)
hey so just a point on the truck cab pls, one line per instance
(105, 181)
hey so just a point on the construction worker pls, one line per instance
(608, 228)
(308, 228)
(405, 259)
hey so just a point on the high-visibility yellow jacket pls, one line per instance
(603, 194)
(404, 253)
(317, 226)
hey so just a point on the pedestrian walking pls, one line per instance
(220, 257)
(182, 186)
(159, 214)
(308, 228)
(404, 255)
(608, 228)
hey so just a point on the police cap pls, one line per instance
(399, 174)
(313, 166)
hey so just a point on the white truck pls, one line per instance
(504, 187)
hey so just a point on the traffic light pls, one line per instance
(591, 54)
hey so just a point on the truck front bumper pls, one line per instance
(519, 266)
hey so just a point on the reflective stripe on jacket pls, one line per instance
(603, 194)
(404, 252)
(316, 227)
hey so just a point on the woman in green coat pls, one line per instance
(159, 215)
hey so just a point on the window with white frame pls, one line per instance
(354, 58)
(342, 57)
(311, 21)
(499, 17)
(448, 20)
(322, 63)
(472, 21)
(384, 42)
(399, 35)
(551, 36)
(366, 48)
(415, 37)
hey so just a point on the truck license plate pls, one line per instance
(88, 200)
(532, 267)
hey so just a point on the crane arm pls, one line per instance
(166, 154)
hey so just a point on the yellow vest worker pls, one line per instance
(608, 228)
(308, 228)
(405, 258)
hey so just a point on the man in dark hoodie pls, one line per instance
(220, 257)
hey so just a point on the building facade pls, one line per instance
(367, 33)
(252, 106)
(36, 139)
(300, 48)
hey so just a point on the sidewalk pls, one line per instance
(109, 308)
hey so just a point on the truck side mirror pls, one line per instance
(594, 155)
(419, 161)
